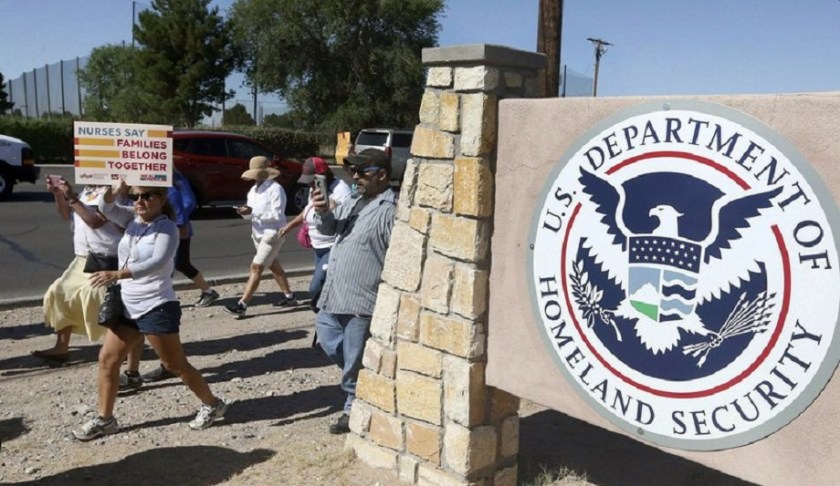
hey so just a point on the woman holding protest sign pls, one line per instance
(71, 304)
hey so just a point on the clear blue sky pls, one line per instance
(661, 47)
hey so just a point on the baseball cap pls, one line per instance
(370, 156)
(312, 166)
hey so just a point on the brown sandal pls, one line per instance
(59, 358)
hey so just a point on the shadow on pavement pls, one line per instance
(12, 428)
(193, 465)
(20, 365)
(32, 195)
(214, 212)
(273, 362)
(242, 342)
(551, 441)
(316, 402)
(25, 331)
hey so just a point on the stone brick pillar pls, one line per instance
(422, 406)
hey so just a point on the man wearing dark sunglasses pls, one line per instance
(362, 227)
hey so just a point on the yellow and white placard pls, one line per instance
(107, 152)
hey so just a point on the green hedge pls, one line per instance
(52, 140)
(284, 142)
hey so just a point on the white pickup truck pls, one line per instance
(395, 143)
(17, 164)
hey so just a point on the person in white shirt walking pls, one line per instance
(266, 208)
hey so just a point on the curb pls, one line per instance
(180, 284)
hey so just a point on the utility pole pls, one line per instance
(549, 34)
(600, 49)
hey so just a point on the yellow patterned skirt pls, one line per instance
(72, 302)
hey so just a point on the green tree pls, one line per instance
(238, 115)
(110, 80)
(275, 120)
(185, 58)
(339, 65)
(5, 104)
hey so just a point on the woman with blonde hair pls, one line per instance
(146, 264)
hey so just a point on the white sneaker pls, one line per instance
(96, 427)
(208, 414)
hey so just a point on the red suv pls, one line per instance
(213, 162)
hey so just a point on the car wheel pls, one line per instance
(6, 183)
(297, 199)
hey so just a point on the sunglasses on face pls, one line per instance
(143, 195)
(360, 171)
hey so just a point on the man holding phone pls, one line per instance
(362, 227)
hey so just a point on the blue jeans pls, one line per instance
(322, 257)
(343, 337)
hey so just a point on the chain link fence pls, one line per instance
(54, 90)
(573, 83)
(51, 90)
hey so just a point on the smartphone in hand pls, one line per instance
(321, 184)
(53, 180)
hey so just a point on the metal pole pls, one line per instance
(255, 103)
(49, 99)
(564, 80)
(61, 73)
(25, 97)
(79, 88)
(597, 63)
(133, 16)
(35, 82)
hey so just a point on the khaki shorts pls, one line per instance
(268, 249)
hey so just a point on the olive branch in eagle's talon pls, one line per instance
(588, 297)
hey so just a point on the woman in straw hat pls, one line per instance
(266, 208)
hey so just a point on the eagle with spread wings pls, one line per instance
(665, 275)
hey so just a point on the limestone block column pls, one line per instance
(422, 408)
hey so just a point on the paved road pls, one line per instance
(36, 244)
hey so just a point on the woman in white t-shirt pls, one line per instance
(339, 192)
(71, 304)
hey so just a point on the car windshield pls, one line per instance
(372, 138)
(244, 150)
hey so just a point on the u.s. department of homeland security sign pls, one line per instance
(685, 275)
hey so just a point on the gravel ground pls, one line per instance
(284, 394)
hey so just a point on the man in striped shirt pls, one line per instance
(362, 227)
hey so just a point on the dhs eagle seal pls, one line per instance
(684, 271)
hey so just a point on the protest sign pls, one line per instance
(107, 152)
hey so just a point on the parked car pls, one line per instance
(395, 143)
(213, 163)
(17, 164)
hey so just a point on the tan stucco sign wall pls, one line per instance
(667, 268)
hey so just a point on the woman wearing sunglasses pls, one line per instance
(147, 261)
